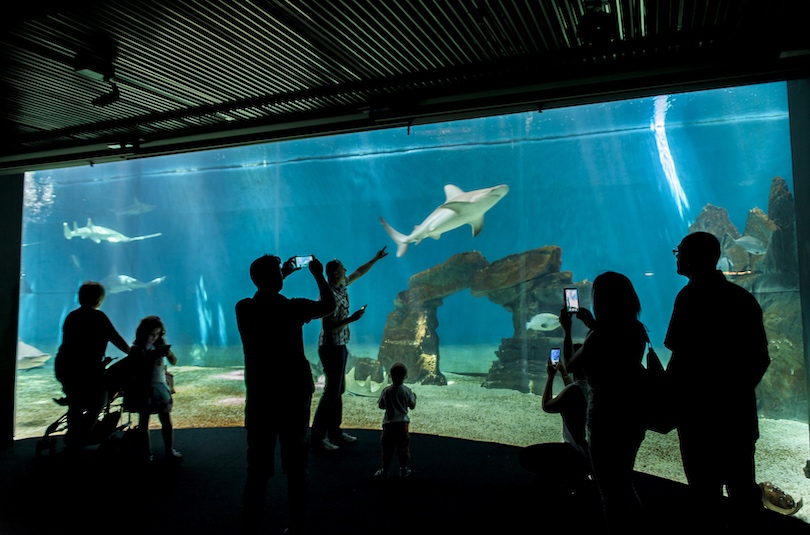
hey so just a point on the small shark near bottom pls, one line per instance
(115, 284)
(460, 208)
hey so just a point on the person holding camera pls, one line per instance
(326, 432)
(610, 360)
(147, 390)
(570, 465)
(278, 382)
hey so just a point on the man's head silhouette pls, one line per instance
(265, 272)
(698, 253)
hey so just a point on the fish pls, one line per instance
(545, 321)
(366, 387)
(99, 234)
(136, 208)
(115, 284)
(459, 208)
(29, 356)
(751, 244)
(725, 264)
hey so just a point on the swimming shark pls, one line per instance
(136, 208)
(460, 208)
(115, 284)
(99, 234)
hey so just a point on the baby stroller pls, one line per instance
(104, 430)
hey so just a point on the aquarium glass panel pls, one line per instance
(485, 222)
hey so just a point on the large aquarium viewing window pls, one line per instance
(539, 201)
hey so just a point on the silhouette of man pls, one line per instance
(326, 432)
(716, 325)
(278, 383)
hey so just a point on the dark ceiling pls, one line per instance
(165, 76)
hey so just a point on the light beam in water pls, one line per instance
(665, 154)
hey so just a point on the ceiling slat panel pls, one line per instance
(208, 68)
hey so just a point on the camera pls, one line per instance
(571, 296)
(555, 355)
(302, 261)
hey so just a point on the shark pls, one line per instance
(136, 208)
(115, 284)
(99, 234)
(459, 208)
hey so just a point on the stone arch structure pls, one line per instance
(524, 284)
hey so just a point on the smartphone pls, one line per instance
(571, 296)
(302, 261)
(555, 355)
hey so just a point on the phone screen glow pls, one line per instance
(571, 299)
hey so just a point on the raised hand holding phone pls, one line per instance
(571, 297)
(302, 261)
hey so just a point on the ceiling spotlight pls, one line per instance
(597, 26)
(107, 98)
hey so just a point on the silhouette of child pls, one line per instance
(148, 391)
(396, 399)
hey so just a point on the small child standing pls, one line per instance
(149, 391)
(396, 399)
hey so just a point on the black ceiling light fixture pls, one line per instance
(107, 98)
(598, 25)
(96, 63)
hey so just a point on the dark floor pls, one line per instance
(457, 486)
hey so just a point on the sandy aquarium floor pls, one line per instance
(214, 397)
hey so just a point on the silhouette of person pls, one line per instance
(610, 360)
(565, 463)
(717, 325)
(147, 391)
(80, 362)
(278, 383)
(327, 434)
(396, 399)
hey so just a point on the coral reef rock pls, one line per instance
(772, 277)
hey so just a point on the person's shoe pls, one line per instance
(174, 455)
(346, 438)
(327, 445)
(381, 474)
(404, 472)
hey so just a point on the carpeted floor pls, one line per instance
(457, 486)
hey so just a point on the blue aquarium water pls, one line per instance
(615, 185)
